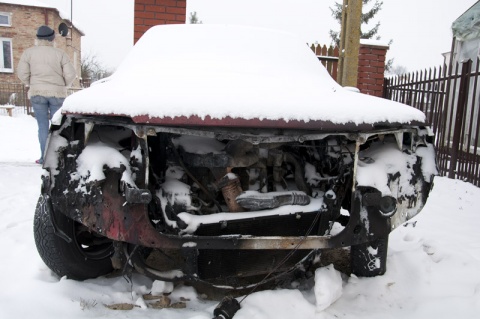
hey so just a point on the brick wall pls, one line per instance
(149, 13)
(371, 68)
(25, 21)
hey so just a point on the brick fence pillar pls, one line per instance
(371, 68)
(154, 12)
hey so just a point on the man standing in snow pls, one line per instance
(48, 72)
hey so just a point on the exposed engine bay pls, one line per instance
(229, 206)
(236, 176)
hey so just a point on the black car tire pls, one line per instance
(366, 264)
(87, 255)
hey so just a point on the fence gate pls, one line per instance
(450, 99)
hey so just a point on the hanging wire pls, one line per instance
(285, 259)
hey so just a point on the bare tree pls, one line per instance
(398, 70)
(92, 69)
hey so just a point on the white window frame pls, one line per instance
(2, 55)
(9, 17)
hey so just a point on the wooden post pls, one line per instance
(350, 42)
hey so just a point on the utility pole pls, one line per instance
(349, 42)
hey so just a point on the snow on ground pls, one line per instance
(432, 271)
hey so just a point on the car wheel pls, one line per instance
(370, 259)
(67, 247)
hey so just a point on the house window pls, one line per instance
(6, 55)
(5, 19)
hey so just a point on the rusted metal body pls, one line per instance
(130, 223)
(270, 225)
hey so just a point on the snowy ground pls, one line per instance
(433, 263)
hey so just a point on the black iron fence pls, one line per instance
(450, 99)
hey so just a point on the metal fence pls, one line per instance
(450, 99)
(15, 94)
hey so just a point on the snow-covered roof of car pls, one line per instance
(234, 73)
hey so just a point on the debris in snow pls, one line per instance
(178, 305)
(162, 302)
(121, 306)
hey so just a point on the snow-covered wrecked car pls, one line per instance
(227, 156)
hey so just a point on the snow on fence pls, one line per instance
(450, 98)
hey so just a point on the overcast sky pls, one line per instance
(420, 29)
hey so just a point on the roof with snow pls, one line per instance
(467, 26)
(220, 72)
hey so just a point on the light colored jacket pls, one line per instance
(46, 70)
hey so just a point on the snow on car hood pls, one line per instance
(225, 71)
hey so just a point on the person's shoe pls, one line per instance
(39, 161)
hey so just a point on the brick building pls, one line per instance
(18, 26)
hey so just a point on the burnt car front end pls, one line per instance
(234, 166)
(228, 206)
